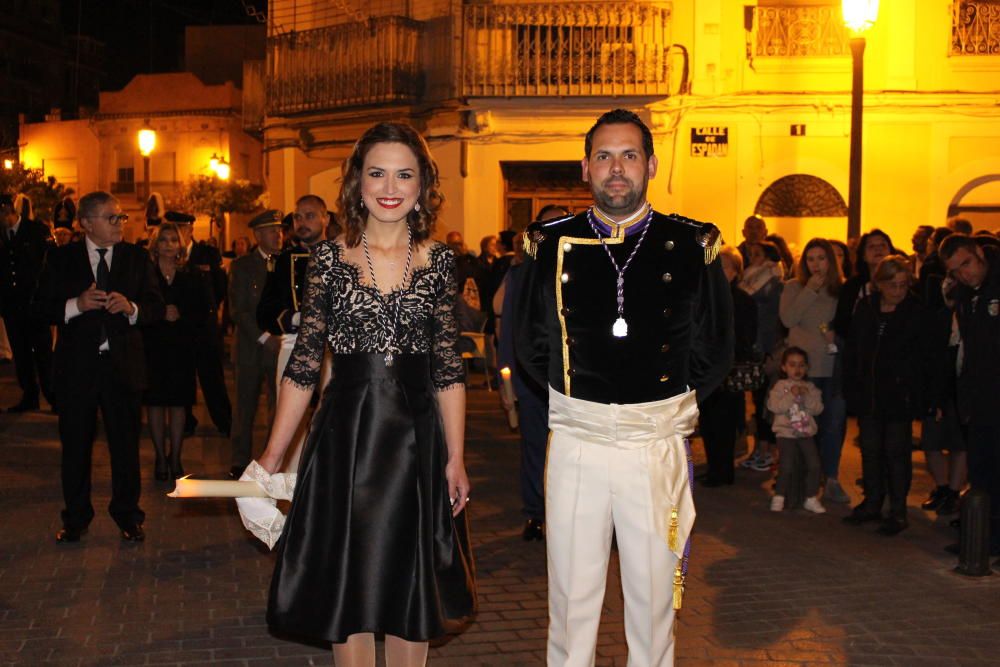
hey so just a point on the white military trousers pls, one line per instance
(620, 468)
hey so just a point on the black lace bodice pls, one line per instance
(341, 311)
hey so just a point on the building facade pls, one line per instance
(193, 121)
(749, 103)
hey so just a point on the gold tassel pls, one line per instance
(678, 587)
(672, 532)
(530, 246)
(712, 250)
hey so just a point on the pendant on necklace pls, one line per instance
(620, 328)
(388, 358)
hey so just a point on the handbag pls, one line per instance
(745, 376)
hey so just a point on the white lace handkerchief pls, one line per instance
(261, 515)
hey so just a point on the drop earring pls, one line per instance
(416, 207)
(361, 202)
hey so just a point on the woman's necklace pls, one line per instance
(620, 328)
(168, 275)
(391, 335)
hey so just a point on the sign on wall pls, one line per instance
(709, 141)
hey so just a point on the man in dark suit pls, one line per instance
(23, 244)
(256, 349)
(208, 349)
(98, 292)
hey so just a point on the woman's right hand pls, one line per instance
(172, 314)
(268, 461)
(815, 282)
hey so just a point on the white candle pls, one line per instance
(507, 392)
(216, 488)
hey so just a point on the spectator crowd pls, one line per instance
(860, 330)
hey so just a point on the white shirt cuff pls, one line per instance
(135, 313)
(263, 338)
(72, 310)
(296, 318)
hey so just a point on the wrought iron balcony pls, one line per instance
(354, 64)
(800, 31)
(566, 48)
(975, 28)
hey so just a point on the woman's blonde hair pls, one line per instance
(890, 266)
(154, 241)
(833, 277)
(733, 255)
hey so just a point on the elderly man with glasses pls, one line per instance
(98, 291)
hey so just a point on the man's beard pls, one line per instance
(305, 235)
(628, 201)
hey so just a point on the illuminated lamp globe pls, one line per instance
(859, 15)
(147, 141)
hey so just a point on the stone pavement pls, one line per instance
(765, 589)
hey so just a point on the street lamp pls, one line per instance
(147, 142)
(222, 169)
(859, 15)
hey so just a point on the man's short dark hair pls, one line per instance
(961, 225)
(316, 199)
(940, 234)
(618, 117)
(507, 239)
(90, 202)
(954, 243)
(552, 208)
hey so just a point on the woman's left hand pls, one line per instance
(458, 485)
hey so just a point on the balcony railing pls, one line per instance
(567, 48)
(801, 31)
(975, 28)
(254, 98)
(346, 65)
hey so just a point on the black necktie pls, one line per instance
(103, 284)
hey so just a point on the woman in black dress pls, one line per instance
(369, 543)
(168, 352)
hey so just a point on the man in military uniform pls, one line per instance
(24, 242)
(280, 302)
(208, 349)
(256, 349)
(626, 316)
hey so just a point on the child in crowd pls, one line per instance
(795, 402)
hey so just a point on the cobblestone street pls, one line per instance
(764, 589)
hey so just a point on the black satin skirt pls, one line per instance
(369, 544)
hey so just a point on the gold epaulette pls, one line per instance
(532, 237)
(710, 238)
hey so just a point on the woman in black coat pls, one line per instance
(723, 411)
(884, 364)
(168, 345)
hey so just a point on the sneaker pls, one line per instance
(777, 503)
(763, 464)
(814, 506)
(834, 492)
(750, 461)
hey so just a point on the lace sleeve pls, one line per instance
(446, 367)
(303, 367)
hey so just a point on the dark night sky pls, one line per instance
(143, 36)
